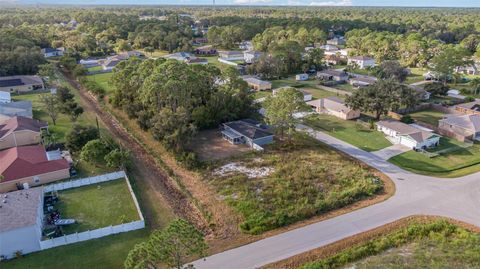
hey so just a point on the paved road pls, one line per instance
(415, 194)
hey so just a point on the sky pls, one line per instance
(412, 3)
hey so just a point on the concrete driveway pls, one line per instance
(415, 195)
(391, 151)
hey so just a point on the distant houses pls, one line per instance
(110, 63)
(463, 127)
(407, 135)
(337, 41)
(332, 75)
(186, 57)
(51, 52)
(251, 56)
(361, 62)
(205, 50)
(335, 107)
(258, 84)
(469, 108)
(20, 84)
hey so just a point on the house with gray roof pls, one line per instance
(246, 132)
(19, 108)
(465, 127)
(469, 108)
(21, 221)
(400, 133)
(18, 84)
(332, 75)
(335, 107)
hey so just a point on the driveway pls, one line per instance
(391, 151)
(415, 195)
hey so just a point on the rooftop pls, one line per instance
(332, 72)
(248, 129)
(19, 123)
(19, 108)
(331, 103)
(20, 80)
(257, 81)
(469, 122)
(20, 208)
(405, 129)
(475, 105)
(361, 58)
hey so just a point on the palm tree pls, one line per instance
(475, 85)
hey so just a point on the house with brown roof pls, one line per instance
(469, 108)
(19, 84)
(400, 133)
(335, 107)
(21, 221)
(205, 50)
(29, 165)
(332, 75)
(464, 127)
(20, 131)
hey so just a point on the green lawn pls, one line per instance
(102, 80)
(416, 75)
(349, 131)
(345, 87)
(261, 94)
(429, 116)
(94, 68)
(308, 178)
(319, 93)
(462, 161)
(293, 83)
(419, 245)
(97, 206)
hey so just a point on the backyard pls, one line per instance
(97, 206)
(437, 244)
(290, 182)
(459, 161)
(428, 116)
(350, 131)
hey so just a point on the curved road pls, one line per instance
(415, 194)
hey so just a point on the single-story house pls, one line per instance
(87, 63)
(231, 55)
(200, 40)
(132, 53)
(246, 45)
(19, 84)
(205, 50)
(467, 70)
(20, 131)
(258, 84)
(361, 62)
(179, 56)
(464, 126)
(19, 108)
(110, 63)
(51, 52)
(362, 81)
(251, 56)
(469, 108)
(29, 165)
(337, 41)
(246, 132)
(329, 47)
(306, 95)
(301, 77)
(335, 107)
(5, 97)
(21, 221)
(332, 75)
(333, 59)
(407, 135)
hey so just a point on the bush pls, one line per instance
(407, 119)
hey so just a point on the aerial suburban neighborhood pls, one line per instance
(240, 134)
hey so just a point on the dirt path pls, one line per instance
(160, 187)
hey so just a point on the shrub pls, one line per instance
(407, 119)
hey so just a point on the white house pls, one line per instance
(361, 62)
(301, 77)
(21, 220)
(51, 52)
(337, 41)
(231, 55)
(251, 56)
(400, 133)
(5, 97)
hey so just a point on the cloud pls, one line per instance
(250, 2)
(332, 3)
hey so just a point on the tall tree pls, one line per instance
(392, 70)
(444, 63)
(50, 103)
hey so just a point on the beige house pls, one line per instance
(20, 131)
(335, 107)
(469, 108)
(29, 165)
(463, 127)
(18, 84)
(258, 85)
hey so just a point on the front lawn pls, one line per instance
(349, 131)
(456, 163)
(302, 179)
(345, 87)
(97, 206)
(428, 116)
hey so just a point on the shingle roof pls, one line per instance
(20, 80)
(331, 103)
(20, 123)
(20, 108)
(20, 208)
(248, 129)
(469, 122)
(405, 129)
(332, 72)
(27, 161)
(475, 105)
(257, 81)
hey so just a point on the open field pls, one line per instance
(210, 145)
(293, 83)
(102, 80)
(94, 68)
(460, 162)
(349, 131)
(300, 180)
(319, 93)
(97, 206)
(428, 116)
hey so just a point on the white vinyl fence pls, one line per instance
(227, 62)
(97, 233)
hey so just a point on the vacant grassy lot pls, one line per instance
(307, 178)
(435, 245)
(293, 83)
(102, 80)
(319, 93)
(349, 131)
(97, 206)
(428, 116)
(460, 162)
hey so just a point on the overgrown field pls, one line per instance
(307, 178)
(439, 244)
